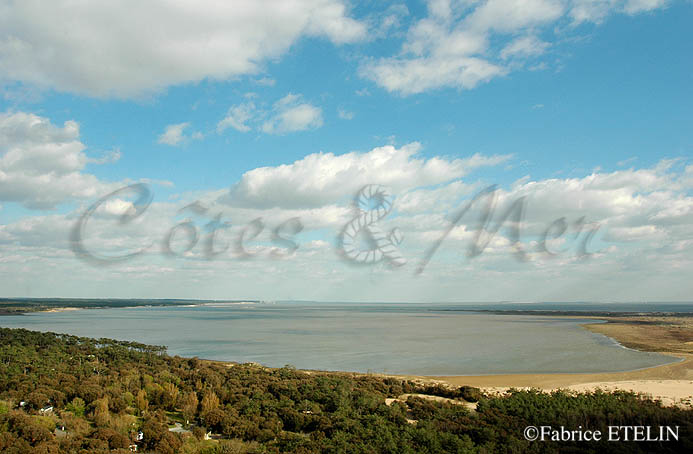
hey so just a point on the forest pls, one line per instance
(66, 394)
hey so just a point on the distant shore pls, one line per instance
(666, 334)
(21, 306)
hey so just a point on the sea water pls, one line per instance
(383, 338)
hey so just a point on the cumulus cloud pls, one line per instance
(174, 135)
(646, 216)
(451, 47)
(323, 178)
(421, 74)
(289, 114)
(112, 49)
(433, 56)
(42, 165)
(649, 205)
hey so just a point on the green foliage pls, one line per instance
(76, 407)
(470, 393)
(105, 391)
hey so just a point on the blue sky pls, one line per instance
(582, 106)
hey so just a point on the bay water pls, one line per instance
(380, 338)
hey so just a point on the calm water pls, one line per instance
(398, 339)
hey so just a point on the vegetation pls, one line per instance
(105, 392)
(17, 306)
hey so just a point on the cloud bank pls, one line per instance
(42, 165)
(131, 48)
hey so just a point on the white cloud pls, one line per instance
(436, 54)
(641, 232)
(130, 48)
(115, 207)
(392, 18)
(411, 76)
(646, 218)
(174, 135)
(440, 199)
(636, 6)
(321, 179)
(41, 165)
(290, 114)
(237, 118)
(590, 10)
(597, 10)
(451, 46)
(523, 47)
(513, 15)
(628, 203)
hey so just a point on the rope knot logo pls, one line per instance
(372, 203)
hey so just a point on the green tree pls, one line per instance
(76, 407)
(142, 402)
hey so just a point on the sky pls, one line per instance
(427, 151)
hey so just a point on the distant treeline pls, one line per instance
(10, 306)
(68, 394)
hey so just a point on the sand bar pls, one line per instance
(670, 383)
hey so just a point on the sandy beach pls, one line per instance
(670, 383)
(64, 309)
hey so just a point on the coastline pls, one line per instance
(671, 383)
(669, 334)
(64, 309)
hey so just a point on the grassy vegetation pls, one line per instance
(104, 392)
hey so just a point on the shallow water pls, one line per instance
(396, 339)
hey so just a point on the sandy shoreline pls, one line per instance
(63, 309)
(671, 383)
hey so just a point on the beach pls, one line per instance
(670, 383)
